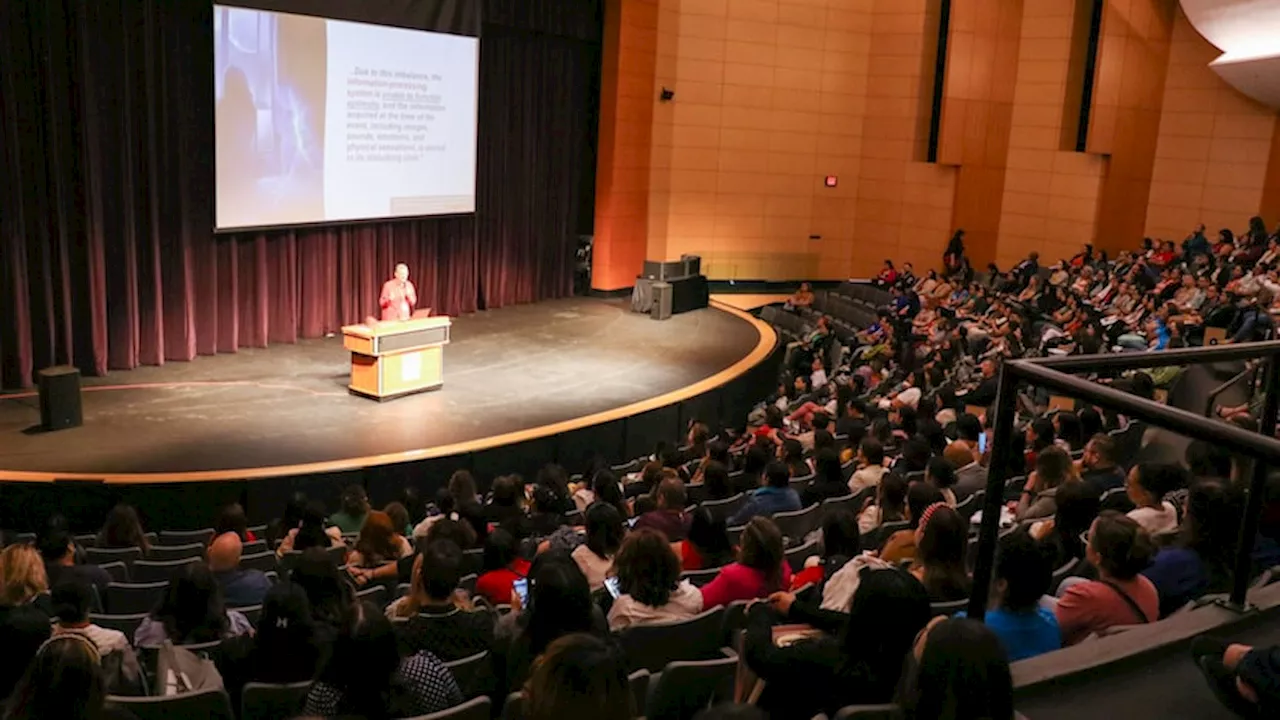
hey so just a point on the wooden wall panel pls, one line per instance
(1129, 84)
(1270, 206)
(627, 96)
(977, 114)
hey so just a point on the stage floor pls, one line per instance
(510, 374)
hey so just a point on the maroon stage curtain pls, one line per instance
(107, 255)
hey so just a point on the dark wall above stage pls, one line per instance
(460, 17)
(107, 253)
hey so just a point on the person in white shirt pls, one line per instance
(870, 466)
(649, 584)
(818, 377)
(604, 537)
(1146, 485)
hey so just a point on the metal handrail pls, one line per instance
(1213, 394)
(1050, 373)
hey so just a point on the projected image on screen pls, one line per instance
(324, 120)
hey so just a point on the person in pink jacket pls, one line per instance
(761, 568)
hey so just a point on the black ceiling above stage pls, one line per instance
(459, 17)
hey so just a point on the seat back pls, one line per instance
(269, 701)
(652, 646)
(102, 556)
(797, 555)
(639, 683)
(468, 583)
(150, 571)
(724, 509)
(87, 541)
(513, 707)
(162, 553)
(184, 537)
(686, 687)
(851, 502)
(127, 624)
(466, 671)
(376, 595)
(210, 704)
(264, 561)
(797, 524)
(134, 598)
(871, 712)
(252, 613)
(948, 608)
(700, 577)
(118, 571)
(472, 561)
(475, 709)
(735, 620)
(800, 484)
(970, 505)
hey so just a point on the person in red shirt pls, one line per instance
(1120, 549)
(707, 545)
(502, 567)
(761, 568)
(888, 275)
(398, 296)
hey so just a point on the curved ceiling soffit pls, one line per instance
(1248, 34)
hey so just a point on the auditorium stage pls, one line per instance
(511, 375)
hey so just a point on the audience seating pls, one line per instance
(206, 705)
(874, 539)
(652, 646)
(799, 484)
(164, 553)
(150, 571)
(852, 503)
(87, 540)
(639, 683)
(796, 556)
(254, 547)
(376, 595)
(289, 560)
(948, 608)
(264, 561)
(735, 620)
(686, 687)
(466, 671)
(472, 561)
(134, 598)
(735, 535)
(513, 708)
(252, 613)
(871, 712)
(725, 509)
(118, 571)
(127, 624)
(970, 505)
(468, 583)
(797, 524)
(475, 709)
(266, 701)
(183, 537)
(100, 556)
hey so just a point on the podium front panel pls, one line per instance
(392, 342)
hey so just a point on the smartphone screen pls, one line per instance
(521, 587)
(982, 443)
(611, 584)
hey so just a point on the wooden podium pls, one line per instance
(394, 358)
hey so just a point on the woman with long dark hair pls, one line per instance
(191, 612)
(707, 545)
(941, 540)
(286, 648)
(63, 681)
(962, 674)
(1202, 558)
(604, 537)
(365, 676)
(123, 529)
(761, 568)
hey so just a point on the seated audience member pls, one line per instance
(941, 475)
(902, 544)
(544, 517)
(366, 677)
(287, 647)
(649, 583)
(753, 465)
(64, 681)
(870, 466)
(1098, 464)
(774, 497)
(59, 554)
(971, 476)
(504, 509)
(1245, 679)
(311, 532)
(1120, 550)
(554, 478)
(791, 454)
(445, 509)
(328, 590)
(241, 587)
(604, 537)
(841, 542)
(1147, 484)
(969, 429)
(715, 480)
(914, 457)
(355, 508)
(1202, 558)
(500, 568)
(378, 543)
(669, 518)
(191, 612)
(890, 504)
(1053, 469)
(231, 518)
(802, 298)
(860, 665)
(941, 541)
(606, 489)
(1078, 504)
(399, 515)
(579, 676)
(1024, 626)
(761, 568)
(708, 545)
(24, 611)
(437, 619)
(122, 529)
(828, 478)
(559, 604)
(962, 672)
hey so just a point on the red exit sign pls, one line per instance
(832, 181)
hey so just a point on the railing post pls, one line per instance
(1257, 488)
(1006, 407)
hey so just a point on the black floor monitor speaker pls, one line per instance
(60, 398)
